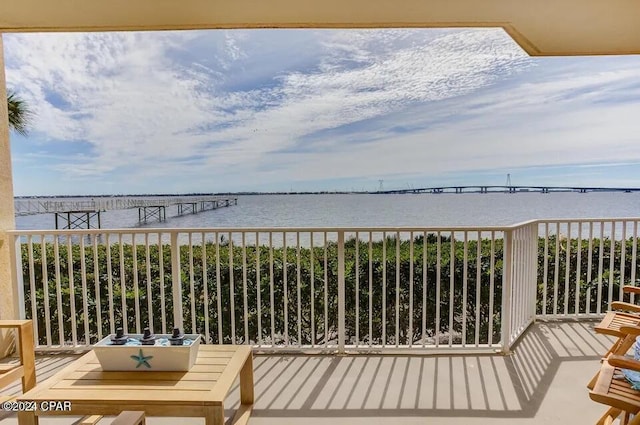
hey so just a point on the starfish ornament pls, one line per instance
(142, 360)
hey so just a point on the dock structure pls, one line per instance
(82, 213)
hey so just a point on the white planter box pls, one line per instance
(147, 358)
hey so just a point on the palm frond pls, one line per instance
(19, 114)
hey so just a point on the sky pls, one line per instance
(312, 110)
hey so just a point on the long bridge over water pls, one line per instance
(510, 189)
(74, 213)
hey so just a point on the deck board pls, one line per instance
(548, 371)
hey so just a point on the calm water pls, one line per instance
(380, 210)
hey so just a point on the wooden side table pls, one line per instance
(83, 388)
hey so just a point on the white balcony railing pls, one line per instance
(344, 289)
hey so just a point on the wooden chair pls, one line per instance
(627, 337)
(26, 369)
(621, 316)
(613, 390)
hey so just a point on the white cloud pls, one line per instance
(196, 107)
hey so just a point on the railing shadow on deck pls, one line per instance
(321, 386)
(512, 386)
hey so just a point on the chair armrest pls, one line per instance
(624, 362)
(630, 330)
(624, 306)
(631, 289)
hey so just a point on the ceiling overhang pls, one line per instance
(540, 27)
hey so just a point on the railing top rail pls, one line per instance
(266, 230)
(587, 220)
(347, 229)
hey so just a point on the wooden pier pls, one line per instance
(84, 213)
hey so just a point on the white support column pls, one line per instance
(8, 289)
(341, 293)
(507, 281)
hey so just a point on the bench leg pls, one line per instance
(246, 381)
(27, 356)
(27, 418)
(213, 415)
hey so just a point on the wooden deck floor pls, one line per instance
(543, 381)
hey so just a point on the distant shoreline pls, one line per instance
(429, 191)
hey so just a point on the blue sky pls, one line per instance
(244, 110)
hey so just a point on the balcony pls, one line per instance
(391, 302)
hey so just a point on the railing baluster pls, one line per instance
(556, 278)
(219, 291)
(45, 288)
(192, 292)
(176, 281)
(465, 263)
(634, 253)
(136, 289)
(623, 252)
(205, 289)
(370, 259)
(123, 287)
(517, 279)
(32, 288)
(452, 277)
(85, 297)
(271, 292)
(384, 289)
(110, 295)
(72, 293)
(612, 248)
(600, 267)
(589, 265)
(578, 270)
(424, 288)
(546, 269)
(341, 293)
(285, 289)
(326, 295)
(397, 338)
(492, 262)
(567, 270)
(60, 311)
(244, 289)
(147, 261)
(357, 289)
(97, 285)
(533, 272)
(299, 290)
(438, 284)
(232, 293)
(258, 290)
(410, 334)
(163, 309)
(478, 286)
(313, 292)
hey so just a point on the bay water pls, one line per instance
(372, 210)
